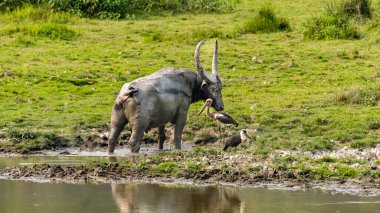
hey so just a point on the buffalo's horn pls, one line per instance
(202, 72)
(215, 60)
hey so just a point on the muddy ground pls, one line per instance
(210, 166)
(270, 178)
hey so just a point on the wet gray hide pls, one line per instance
(162, 97)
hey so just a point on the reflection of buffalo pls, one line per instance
(169, 198)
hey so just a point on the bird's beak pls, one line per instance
(203, 108)
(246, 135)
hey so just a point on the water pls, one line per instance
(29, 197)
(25, 196)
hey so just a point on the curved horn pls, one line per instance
(215, 60)
(202, 72)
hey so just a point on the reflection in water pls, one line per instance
(31, 197)
(175, 198)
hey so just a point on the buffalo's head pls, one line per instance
(211, 85)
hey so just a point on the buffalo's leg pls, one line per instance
(178, 129)
(161, 133)
(136, 137)
(118, 121)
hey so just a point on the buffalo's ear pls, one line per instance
(204, 85)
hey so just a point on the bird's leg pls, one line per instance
(223, 132)
(220, 135)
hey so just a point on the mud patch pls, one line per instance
(114, 172)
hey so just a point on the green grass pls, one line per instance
(357, 8)
(266, 21)
(191, 165)
(300, 94)
(340, 20)
(331, 27)
(356, 95)
(121, 9)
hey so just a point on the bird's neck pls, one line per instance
(208, 111)
(243, 136)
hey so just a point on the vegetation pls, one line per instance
(191, 165)
(338, 22)
(121, 9)
(266, 21)
(356, 8)
(356, 95)
(60, 73)
(331, 27)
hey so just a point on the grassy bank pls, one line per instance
(60, 73)
(209, 165)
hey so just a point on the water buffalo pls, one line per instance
(162, 97)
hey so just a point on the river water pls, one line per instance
(30, 197)
(26, 196)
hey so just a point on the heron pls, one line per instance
(221, 118)
(235, 140)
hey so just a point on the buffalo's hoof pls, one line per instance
(135, 149)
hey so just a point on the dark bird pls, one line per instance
(235, 140)
(221, 118)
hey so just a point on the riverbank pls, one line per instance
(270, 179)
(353, 173)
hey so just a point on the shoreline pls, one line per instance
(344, 170)
(83, 175)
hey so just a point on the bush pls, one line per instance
(337, 23)
(198, 34)
(24, 41)
(345, 171)
(166, 167)
(365, 142)
(357, 8)
(116, 9)
(11, 5)
(51, 141)
(265, 22)
(92, 8)
(373, 123)
(331, 27)
(53, 31)
(368, 96)
(23, 134)
(322, 144)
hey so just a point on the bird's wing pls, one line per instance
(225, 118)
(232, 139)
